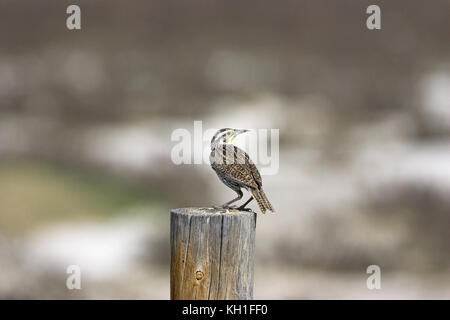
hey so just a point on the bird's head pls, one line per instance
(226, 135)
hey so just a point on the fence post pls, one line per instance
(212, 254)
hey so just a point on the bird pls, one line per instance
(236, 170)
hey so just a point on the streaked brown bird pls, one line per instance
(236, 170)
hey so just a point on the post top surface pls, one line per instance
(204, 211)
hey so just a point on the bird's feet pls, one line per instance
(241, 208)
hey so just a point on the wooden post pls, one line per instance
(212, 254)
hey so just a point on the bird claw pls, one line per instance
(232, 208)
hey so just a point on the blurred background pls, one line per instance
(86, 118)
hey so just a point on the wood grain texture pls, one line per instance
(212, 254)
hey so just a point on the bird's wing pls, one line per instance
(255, 173)
(235, 163)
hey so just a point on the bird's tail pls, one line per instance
(262, 200)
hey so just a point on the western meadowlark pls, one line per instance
(236, 170)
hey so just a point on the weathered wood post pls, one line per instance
(212, 254)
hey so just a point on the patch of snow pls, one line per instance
(436, 98)
(101, 250)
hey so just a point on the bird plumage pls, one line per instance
(235, 168)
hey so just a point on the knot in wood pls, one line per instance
(199, 275)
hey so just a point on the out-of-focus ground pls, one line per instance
(86, 118)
